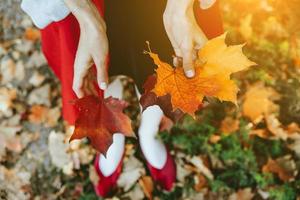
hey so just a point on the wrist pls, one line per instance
(78, 7)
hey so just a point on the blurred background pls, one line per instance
(239, 153)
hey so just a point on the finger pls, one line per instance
(81, 66)
(200, 38)
(101, 62)
(176, 59)
(188, 56)
(188, 63)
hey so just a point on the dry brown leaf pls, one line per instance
(258, 102)
(273, 167)
(243, 194)
(7, 70)
(36, 79)
(229, 125)
(41, 114)
(32, 34)
(199, 163)
(215, 139)
(40, 96)
(7, 96)
(9, 139)
(275, 127)
(58, 152)
(38, 114)
(165, 124)
(94, 177)
(132, 171)
(200, 182)
(147, 185)
(293, 128)
(263, 133)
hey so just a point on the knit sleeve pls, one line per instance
(44, 12)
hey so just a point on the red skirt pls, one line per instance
(60, 41)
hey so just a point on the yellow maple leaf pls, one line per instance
(216, 62)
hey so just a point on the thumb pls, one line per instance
(81, 66)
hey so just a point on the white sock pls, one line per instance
(115, 152)
(153, 149)
(114, 155)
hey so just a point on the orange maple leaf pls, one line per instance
(216, 62)
(99, 119)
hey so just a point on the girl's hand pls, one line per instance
(93, 44)
(183, 31)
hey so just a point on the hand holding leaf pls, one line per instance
(216, 62)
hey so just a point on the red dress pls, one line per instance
(60, 41)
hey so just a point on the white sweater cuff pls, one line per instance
(44, 12)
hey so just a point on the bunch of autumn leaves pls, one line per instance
(168, 88)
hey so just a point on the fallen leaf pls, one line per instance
(132, 171)
(13, 184)
(215, 139)
(165, 124)
(32, 34)
(7, 96)
(293, 128)
(295, 145)
(37, 114)
(258, 102)
(136, 193)
(41, 114)
(20, 71)
(36, 79)
(213, 68)
(9, 139)
(242, 194)
(275, 127)
(37, 59)
(94, 177)
(273, 167)
(99, 119)
(7, 69)
(200, 166)
(58, 152)
(229, 125)
(200, 182)
(40, 96)
(147, 185)
(262, 133)
(181, 170)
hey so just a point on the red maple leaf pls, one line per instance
(99, 119)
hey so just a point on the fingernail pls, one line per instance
(103, 85)
(190, 73)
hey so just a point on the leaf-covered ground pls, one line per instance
(239, 153)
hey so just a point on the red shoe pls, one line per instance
(106, 184)
(166, 176)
